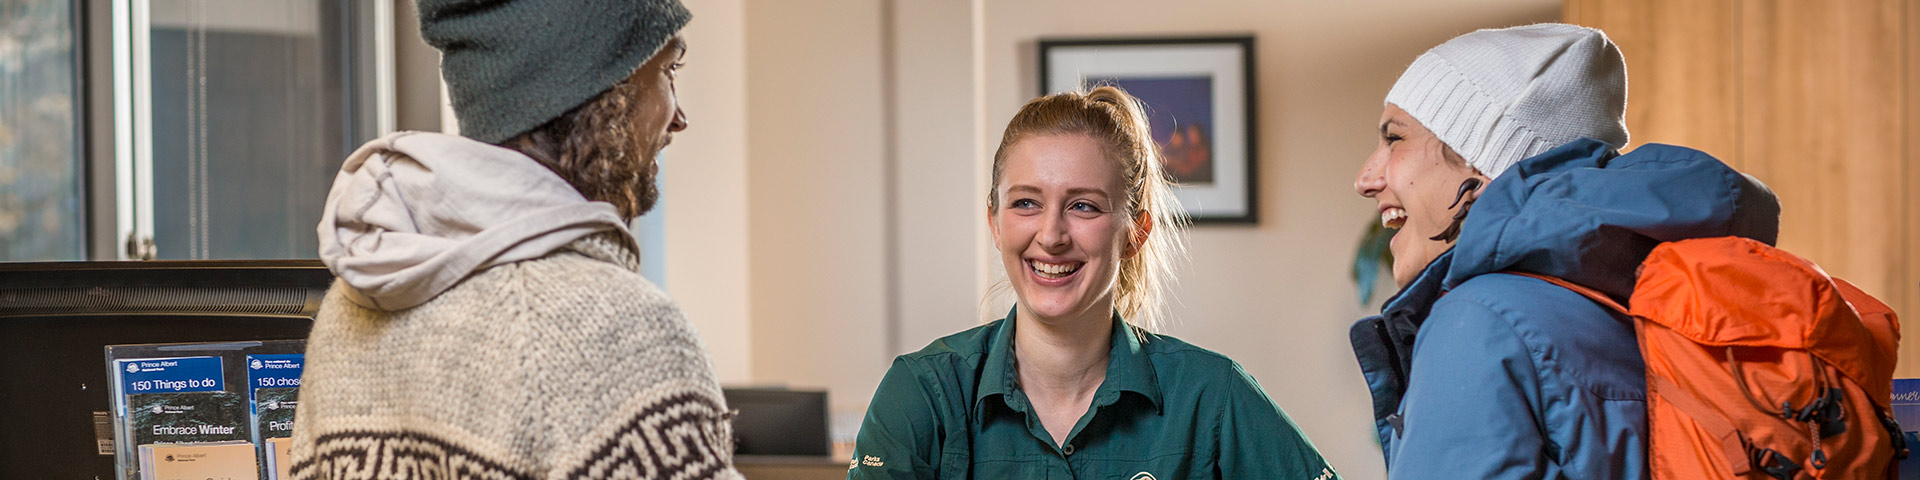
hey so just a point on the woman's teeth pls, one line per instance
(1393, 217)
(1050, 270)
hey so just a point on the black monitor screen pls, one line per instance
(779, 422)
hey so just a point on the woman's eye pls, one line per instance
(1086, 207)
(1391, 139)
(1023, 203)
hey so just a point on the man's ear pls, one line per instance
(1142, 228)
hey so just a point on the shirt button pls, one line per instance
(1068, 450)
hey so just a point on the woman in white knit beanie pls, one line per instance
(1478, 373)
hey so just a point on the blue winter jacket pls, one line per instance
(1477, 373)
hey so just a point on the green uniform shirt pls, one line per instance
(1167, 410)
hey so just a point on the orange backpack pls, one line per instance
(1759, 365)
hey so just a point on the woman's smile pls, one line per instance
(1054, 273)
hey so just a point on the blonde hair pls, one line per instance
(1118, 122)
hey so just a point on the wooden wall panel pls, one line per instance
(1908, 300)
(1823, 90)
(1817, 99)
(1680, 69)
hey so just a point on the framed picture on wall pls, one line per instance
(1199, 94)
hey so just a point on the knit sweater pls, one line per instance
(565, 365)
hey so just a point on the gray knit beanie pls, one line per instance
(512, 65)
(1499, 96)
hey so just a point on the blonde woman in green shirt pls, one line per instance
(1072, 383)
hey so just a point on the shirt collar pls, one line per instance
(1129, 369)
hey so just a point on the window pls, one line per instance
(42, 216)
(240, 113)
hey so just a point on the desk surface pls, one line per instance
(780, 467)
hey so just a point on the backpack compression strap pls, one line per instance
(1591, 294)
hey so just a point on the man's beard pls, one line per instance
(647, 193)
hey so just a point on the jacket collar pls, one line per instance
(1408, 308)
(1129, 369)
(1383, 344)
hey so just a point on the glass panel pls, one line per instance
(40, 193)
(255, 104)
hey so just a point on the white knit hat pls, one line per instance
(1499, 96)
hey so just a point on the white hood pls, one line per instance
(413, 213)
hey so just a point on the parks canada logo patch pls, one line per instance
(1143, 476)
(133, 368)
(255, 364)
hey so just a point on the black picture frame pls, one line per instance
(1212, 153)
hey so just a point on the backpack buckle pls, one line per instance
(1830, 414)
(1773, 463)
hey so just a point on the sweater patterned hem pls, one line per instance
(675, 431)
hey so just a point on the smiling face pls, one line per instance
(1060, 225)
(1413, 177)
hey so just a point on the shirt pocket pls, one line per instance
(1171, 466)
(1037, 468)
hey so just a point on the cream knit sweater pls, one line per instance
(565, 365)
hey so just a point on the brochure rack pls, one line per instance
(194, 394)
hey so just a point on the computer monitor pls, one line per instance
(57, 318)
(777, 421)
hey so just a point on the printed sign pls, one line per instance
(170, 375)
(272, 371)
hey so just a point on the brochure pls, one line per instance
(273, 392)
(279, 462)
(1906, 410)
(178, 400)
(198, 461)
(187, 417)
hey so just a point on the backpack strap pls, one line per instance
(1733, 445)
(1591, 294)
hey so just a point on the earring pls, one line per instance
(1459, 216)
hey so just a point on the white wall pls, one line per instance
(705, 182)
(939, 176)
(867, 193)
(817, 205)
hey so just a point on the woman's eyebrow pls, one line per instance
(1087, 191)
(1070, 192)
(1383, 125)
